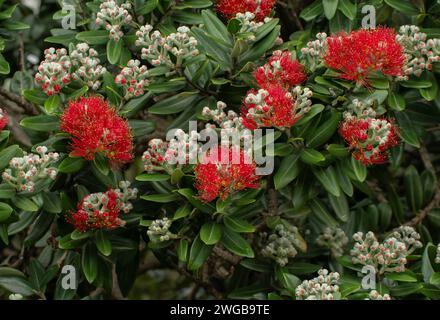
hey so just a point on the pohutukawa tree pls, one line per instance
(116, 156)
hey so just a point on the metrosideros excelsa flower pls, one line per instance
(360, 54)
(275, 107)
(54, 71)
(281, 70)
(102, 210)
(4, 119)
(95, 127)
(224, 171)
(23, 173)
(113, 17)
(370, 138)
(261, 8)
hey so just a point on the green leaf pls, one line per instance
(52, 104)
(406, 276)
(6, 191)
(182, 250)
(35, 96)
(93, 37)
(175, 103)
(338, 150)
(328, 180)
(152, 177)
(101, 163)
(67, 243)
(312, 11)
(199, 252)
(7, 154)
(430, 93)
(43, 123)
(413, 188)
(325, 130)
(403, 6)
(320, 212)
(71, 164)
(311, 156)
(51, 202)
(396, 101)
(215, 27)
(147, 7)
(236, 244)
(4, 65)
(238, 225)
(5, 211)
(287, 171)
(141, 128)
(287, 280)
(210, 233)
(340, 206)
(348, 9)
(15, 25)
(89, 262)
(25, 204)
(359, 170)
(161, 198)
(416, 84)
(261, 46)
(405, 289)
(256, 265)
(103, 243)
(114, 50)
(427, 268)
(330, 7)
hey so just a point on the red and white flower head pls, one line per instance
(275, 107)
(102, 210)
(281, 70)
(370, 138)
(261, 8)
(95, 127)
(4, 119)
(362, 53)
(224, 171)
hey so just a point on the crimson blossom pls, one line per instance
(359, 54)
(4, 119)
(370, 138)
(261, 8)
(281, 70)
(224, 171)
(95, 127)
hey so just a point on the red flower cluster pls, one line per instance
(261, 8)
(4, 119)
(361, 53)
(370, 138)
(104, 216)
(223, 172)
(267, 108)
(281, 70)
(97, 128)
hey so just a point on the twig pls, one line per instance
(225, 255)
(116, 290)
(28, 107)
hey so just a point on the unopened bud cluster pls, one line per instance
(180, 150)
(409, 236)
(24, 172)
(420, 53)
(88, 66)
(158, 231)
(53, 73)
(313, 53)
(334, 239)
(125, 194)
(388, 256)
(157, 49)
(375, 295)
(133, 79)
(249, 25)
(113, 17)
(323, 287)
(281, 244)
